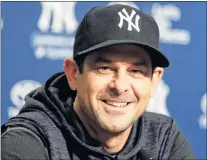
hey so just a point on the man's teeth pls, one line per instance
(116, 104)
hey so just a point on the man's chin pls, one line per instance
(116, 128)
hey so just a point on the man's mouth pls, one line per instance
(116, 104)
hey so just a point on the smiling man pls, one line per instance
(96, 108)
(113, 91)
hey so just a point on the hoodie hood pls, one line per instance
(55, 99)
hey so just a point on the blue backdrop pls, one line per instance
(37, 36)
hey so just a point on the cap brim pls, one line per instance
(157, 57)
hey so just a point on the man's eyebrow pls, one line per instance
(100, 59)
(140, 63)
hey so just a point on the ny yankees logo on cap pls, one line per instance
(128, 18)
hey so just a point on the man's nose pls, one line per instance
(119, 84)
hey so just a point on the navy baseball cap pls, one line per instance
(104, 26)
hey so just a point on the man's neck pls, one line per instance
(112, 142)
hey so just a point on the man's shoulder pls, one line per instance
(155, 122)
(153, 117)
(16, 144)
(162, 135)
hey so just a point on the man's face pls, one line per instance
(115, 86)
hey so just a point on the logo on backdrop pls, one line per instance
(158, 102)
(164, 15)
(202, 118)
(18, 93)
(128, 18)
(55, 37)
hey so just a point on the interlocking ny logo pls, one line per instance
(128, 18)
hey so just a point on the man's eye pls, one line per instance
(105, 68)
(137, 72)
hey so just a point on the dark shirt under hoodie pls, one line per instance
(48, 128)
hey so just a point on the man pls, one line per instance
(96, 108)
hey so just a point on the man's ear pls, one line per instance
(71, 72)
(156, 77)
